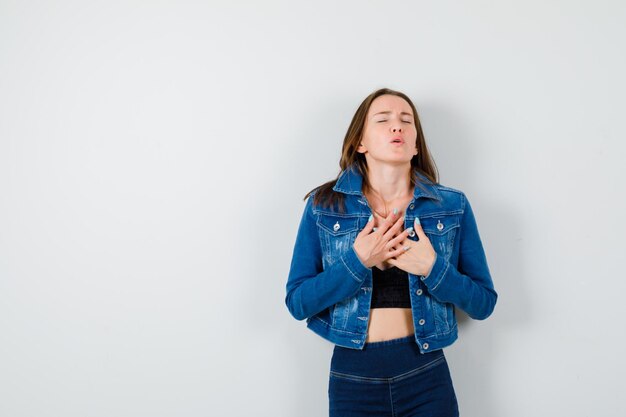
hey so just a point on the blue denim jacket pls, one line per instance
(330, 287)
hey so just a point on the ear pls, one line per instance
(361, 148)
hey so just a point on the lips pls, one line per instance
(397, 140)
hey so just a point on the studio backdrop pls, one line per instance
(154, 157)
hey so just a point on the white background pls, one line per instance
(153, 160)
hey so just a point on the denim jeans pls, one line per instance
(390, 378)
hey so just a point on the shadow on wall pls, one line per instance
(302, 360)
(472, 358)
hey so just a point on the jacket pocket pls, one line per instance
(338, 234)
(441, 229)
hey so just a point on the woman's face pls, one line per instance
(389, 134)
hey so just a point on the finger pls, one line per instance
(394, 254)
(369, 226)
(395, 229)
(389, 221)
(399, 239)
(406, 243)
(402, 247)
(419, 230)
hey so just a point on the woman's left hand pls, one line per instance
(418, 257)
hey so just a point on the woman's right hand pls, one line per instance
(375, 247)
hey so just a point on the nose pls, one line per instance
(396, 129)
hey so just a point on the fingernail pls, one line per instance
(395, 211)
(370, 218)
(417, 220)
(411, 231)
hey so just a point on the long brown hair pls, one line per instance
(421, 162)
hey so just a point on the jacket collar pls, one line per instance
(350, 181)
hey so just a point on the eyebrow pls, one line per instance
(389, 112)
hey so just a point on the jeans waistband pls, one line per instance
(407, 339)
(383, 359)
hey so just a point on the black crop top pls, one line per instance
(390, 288)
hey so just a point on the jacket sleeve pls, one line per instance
(469, 286)
(310, 287)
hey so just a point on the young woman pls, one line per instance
(383, 255)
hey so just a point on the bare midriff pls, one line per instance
(389, 323)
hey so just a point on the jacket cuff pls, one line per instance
(434, 277)
(353, 264)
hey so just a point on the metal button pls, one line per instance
(439, 225)
(425, 346)
(422, 321)
(412, 233)
(412, 206)
(419, 292)
(336, 226)
(422, 277)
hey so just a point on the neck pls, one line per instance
(390, 182)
